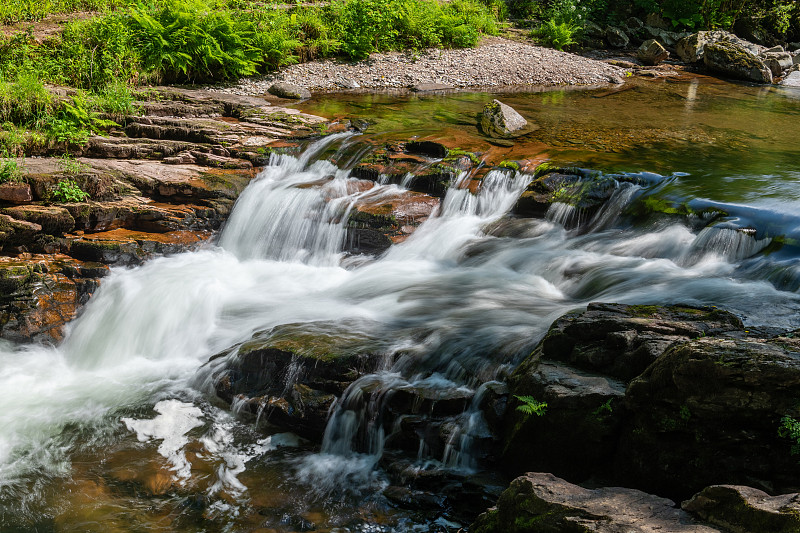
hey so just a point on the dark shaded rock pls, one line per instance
(705, 412)
(651, 52)
(15, 193)
(545, 503)
(656, 21)
(284, 89)
(733, 60)
(126, 247)
(501, 120)
(745, 509)
(366, 241)
(427, 148)
(292, 374)
(616, 38)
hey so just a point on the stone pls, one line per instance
(15, 193)
(543, 502)
(651, 52)
(665, 37)
(733, 60)
(53, 220)
(427, 148)
(774, 49)
(501, 120)
(741, 508)
(691, 48)
(283, 89)
(656, 21)
(431, 87)
(792, 80)
(616, 38)
(707, 411)
(592, 29)
(633, 25)
(796, 58)
(778, 62)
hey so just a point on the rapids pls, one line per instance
(468, 294)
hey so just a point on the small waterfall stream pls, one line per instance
(466, 295)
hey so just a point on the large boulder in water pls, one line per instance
(691, 48)
(501, 120)
(734, 60)
(543, 502)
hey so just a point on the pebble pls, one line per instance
(495, 63)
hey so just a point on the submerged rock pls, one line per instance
(544, 502)
(501, 120)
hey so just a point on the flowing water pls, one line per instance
(116, 428)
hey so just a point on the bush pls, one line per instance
(10, 170)
(556, 34)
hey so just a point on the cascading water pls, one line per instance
(465, 295)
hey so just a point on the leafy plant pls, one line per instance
(530, 406)
(790, 429)
(10, 170)
(67, 191)
(70, 165)
(559, 35)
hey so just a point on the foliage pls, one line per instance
(555, 34)
(790, 429)
(30, 10)
(70, 165)
(10, 170)
(67, 191)
(530, 406)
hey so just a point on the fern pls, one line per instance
(530, 406)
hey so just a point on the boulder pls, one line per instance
(778, 62)
(501, 120)
(656, 21)
(616, 38)
(691, 48)
(708, 411)
(651, 52)
(283, 89)
(53, 220)
(792, 79)
(734, 60)
(740, 508)
(633, 25)
(665, 37)
(543, 502)
(15, 193)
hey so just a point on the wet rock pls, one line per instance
(16, 232)
(651, 52)
(283, 89)
(706, 411)
(53, 220)
(740, 508)
(291, 375)
(777, 62)
(427, 148)
(500, 120)
(15, 193)
(126, 247)
(544, 502)
(616, 38)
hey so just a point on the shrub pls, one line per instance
(67, 191)
(790, 429)
(530, 406)
(10, 170)
(556, 34)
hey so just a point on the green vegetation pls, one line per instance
(530, 406)
(67, 191)
(10, 170)
(790, 429)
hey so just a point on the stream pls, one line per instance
(117, 427)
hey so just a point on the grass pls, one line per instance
(10, 169)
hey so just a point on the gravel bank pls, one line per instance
(496, 62)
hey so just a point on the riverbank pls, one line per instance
(495, 62)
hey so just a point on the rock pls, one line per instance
(427, 148)
(792, 80)
(691, 48)
(53, 220)
(793, 47)
(543, 502)
(740, 508)
(778, 62)
(656, 21)
(15, 193)
(291, 375)
(594, 30)
(774, 49)
(283, 89)
(431, 87)
(616, 38)
(651, 52)
(796, 58)
(665, 37)
(126, 247)
(733, 60)
(705, 412)
(501, 120)
(16, 232)
(633, 25)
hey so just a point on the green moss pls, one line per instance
(513, 165)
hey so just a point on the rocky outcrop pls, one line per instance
(499, 120)
(651, 52)
(543, 502)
